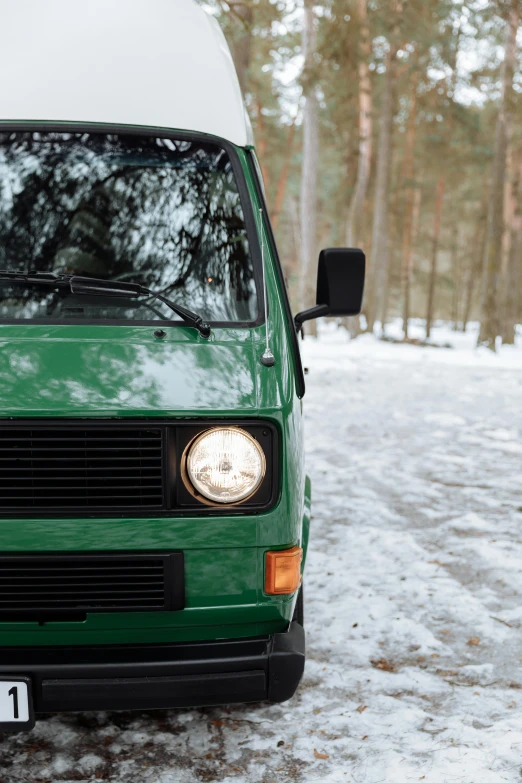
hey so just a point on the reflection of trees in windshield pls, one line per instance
(163, 213)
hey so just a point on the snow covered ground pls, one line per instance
(413, 595)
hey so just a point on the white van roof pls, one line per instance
(159, 63)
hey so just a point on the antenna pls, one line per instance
(268, 358)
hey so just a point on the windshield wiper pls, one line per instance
(92, 285)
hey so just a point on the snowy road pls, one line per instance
(413, 597)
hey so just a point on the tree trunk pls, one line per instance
(378, 272)
(364, 163)
(409, 206)
(439, 201)
(283, 179)
(455, 273)
(242, 47)
(387, 286)
(489, 321)
(408, 256)
(261, 144)
(435, 249)
(511, 298)
(365, 129)
(308, 202)
(475, 265)
(293, 210)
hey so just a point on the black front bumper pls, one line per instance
(159, 676)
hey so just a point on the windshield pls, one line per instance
(161, 212)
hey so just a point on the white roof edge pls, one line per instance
(162, 64)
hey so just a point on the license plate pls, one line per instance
(16, 704)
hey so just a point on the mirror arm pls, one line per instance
(307, 315)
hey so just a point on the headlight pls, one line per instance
(225, 464)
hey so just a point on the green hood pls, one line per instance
(124, 370)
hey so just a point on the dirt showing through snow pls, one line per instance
(413, 596)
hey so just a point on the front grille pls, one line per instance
(48, 585)
(81, 467)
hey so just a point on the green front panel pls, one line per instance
(224, 591)
(123, 371)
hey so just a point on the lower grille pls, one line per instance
(43, 586)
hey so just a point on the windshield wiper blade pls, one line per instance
(93, 285)
(33, 277)
(97, 286)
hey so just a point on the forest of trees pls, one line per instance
(393, 125)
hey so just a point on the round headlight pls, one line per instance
(225, 465)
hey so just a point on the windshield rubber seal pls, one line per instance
(42, 126)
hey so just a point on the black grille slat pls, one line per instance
(79, 568)
(68, 459)
(99, 467)
(107, 439)
(84, 598)
(126, 496)
(44, 584)
(94, 453)
(95, 486)
(84, 569)
(80, 595)
(42, 581)
(74, 467)
(94, 606)
(93, 433)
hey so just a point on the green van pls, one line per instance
(154, 510)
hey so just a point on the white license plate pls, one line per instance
(16, 707)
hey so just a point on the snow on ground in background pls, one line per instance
(412, 602)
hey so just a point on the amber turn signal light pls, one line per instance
(283, 571)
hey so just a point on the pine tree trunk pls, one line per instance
(408, 258)
(475, 265)
(489, 321)
(364, 163)
(365, 129)
(435, 249)
(380, 251)
(512, 279)
(309, 180)
(470, 289)
(283, 178)
(242, 46)
(409, 207)
(439, 201)
(296, 233)
(455, 273)
(261, 145)
(386, 300)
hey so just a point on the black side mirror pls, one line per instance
(340, 284)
